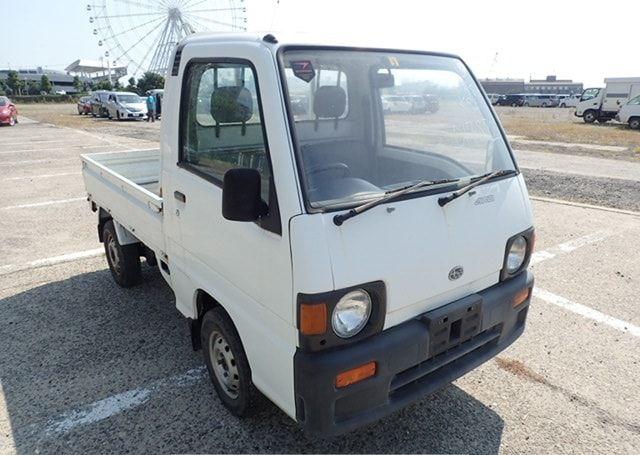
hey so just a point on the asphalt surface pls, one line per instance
(86, 366)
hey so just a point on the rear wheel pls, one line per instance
(227, 363)
(590, 117)
(123, 260)
(634, 123)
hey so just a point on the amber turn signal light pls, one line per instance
(521, 297)
(356, 374)
(313, 318)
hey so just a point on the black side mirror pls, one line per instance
(241, 195)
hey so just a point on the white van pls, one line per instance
(344, 263)
(630, 113)
(603, 104)
(126, 105)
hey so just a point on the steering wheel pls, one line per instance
(339, 168)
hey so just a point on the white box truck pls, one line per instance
(602, 104)
(342, 260)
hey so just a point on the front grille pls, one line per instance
(446, 361)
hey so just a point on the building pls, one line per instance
(59, 79)
(554, 86)
(503, 86)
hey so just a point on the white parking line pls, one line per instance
(115, 404)
(6, 269)
(569, 246)
(587, 312)
(42, 176)
(58, 149)
(43, 160)
(41, 204)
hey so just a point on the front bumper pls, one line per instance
(411, 361)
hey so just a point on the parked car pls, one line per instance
(536, 100)
(126, 105)
(630, 113)
(569, 100)
(374, 270)
(405, 104)
(99, 103)
(84, 105)
(8, 112)
(493, 98)
(60, 92)
(510, 100)
(432, 104)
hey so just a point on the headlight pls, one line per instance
(351, 313)
(517, 254)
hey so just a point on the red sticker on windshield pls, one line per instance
(303, 69)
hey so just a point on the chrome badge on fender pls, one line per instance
(456, 272)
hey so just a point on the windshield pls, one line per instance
(634, 101)
(369, 122)
(589, 93)
(129, 99)
(4, 101)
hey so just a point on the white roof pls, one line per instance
(622, 80)
(91, 66)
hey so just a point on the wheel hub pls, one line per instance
(112, 250)
(224, 364)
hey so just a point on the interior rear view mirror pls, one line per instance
(241, 195)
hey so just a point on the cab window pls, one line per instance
(221, 122)
(589, 94)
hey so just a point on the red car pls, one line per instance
(8, 112)
(84, 105)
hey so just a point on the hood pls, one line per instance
(138, 106)
(412, 245)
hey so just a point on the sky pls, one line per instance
(572, 39)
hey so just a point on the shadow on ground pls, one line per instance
(70, 343)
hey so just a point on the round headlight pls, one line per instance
(516, 255)
(351, 313)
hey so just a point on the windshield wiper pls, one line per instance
(480, 180)
(389, 195)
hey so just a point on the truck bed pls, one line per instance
(127, 185)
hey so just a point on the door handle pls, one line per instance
(180, 196)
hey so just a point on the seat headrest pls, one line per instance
(231, 104)
(330, 101)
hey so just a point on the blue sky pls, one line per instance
(496, 37)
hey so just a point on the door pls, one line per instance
(246, 266)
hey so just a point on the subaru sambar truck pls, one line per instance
(341, 260)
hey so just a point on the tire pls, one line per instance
(118, 115)
(514, 104)
(634, 123)
(123, 260)
(563, 105)
(12, 121)
(590, 116)
(227, 363)
(544, 104)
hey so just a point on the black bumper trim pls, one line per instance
(406, 371)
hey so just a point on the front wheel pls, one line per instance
(590, 117)
(123, 260)
(12, 121)
(227, 363)
(634, 123)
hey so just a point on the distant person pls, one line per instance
(151, 108)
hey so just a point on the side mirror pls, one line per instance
(241, 195)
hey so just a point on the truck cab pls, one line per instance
(343, 259)
(602, 104)
(630, 113)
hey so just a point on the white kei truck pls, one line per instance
(341, 260)
(603, 104)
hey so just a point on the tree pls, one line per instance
(32, 88)
(45, 84)
(13, 82)
(116, 86)
(104, 85)
(3, 88)
(150, 81)
(77, 83)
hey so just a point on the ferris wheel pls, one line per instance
(142, 33)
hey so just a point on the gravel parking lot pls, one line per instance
(89, 367)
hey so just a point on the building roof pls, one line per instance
(84, 65)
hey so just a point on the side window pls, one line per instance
(221, 124)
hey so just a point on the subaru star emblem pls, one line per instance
(456, 272)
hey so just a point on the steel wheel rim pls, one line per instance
(114, 256)
(225, 367)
